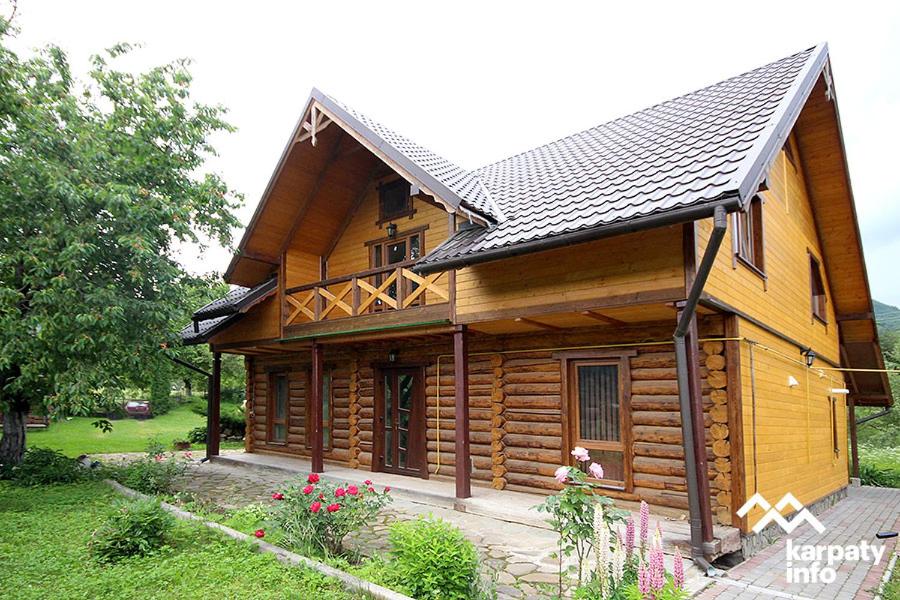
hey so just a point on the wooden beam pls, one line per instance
(259, 257)
(864, 316)
(213, 401)
(461, 385)
(854, 446)
(537, 324)
(317, 463)
(592, 314)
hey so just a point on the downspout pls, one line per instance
(720, 224)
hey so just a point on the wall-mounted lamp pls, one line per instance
(792, 381)
(392, 356)
(392, 230)
(809, 355)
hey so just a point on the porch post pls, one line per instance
(316, 412)
(213, 401)
(854, 448)
(461, 385)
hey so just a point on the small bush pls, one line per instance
(432, 559)
(314, 516)
(41, 466)
(153, 474)
(197, 435)
(135, 529)
(879, 467)
(231, 418)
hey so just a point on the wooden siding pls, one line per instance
(260, 323)
(626, 265)
(516, 417)
(791, 448)
(782, 300)
(351, 254)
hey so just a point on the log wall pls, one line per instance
(516, 409)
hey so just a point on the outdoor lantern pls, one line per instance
(810, 356)
(392, 230)
(392, 356)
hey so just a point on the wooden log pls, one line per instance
(715, 362)
(513, 440)
(660, 419)
(653, 360)
(534, 454)
(719, 396)
(531, 401)
(654, 374)
(717, 379)
(723, 464)
(719, 431)
(669, 388)
(724, 498)
(499, 483)
(658, 466)
(660, 482)
(710, 348)
(719, 413)
(532, 481)
(723, 516)
(525, 377)
(723, 481)
(533, 416)
(554, 429)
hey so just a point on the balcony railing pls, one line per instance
(385, 289)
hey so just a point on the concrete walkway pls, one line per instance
(855, 520)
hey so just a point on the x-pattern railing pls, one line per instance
(391, 288)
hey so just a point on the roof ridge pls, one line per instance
(643, 110)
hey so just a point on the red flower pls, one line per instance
(368, 482)
(260, 533)
(308, 489)
(277, 496)
(352, 490)
(313, 478)
(315, 507)
(340, 493)
(371, 489)
(321, 496)
(333, 508)
(387, 488)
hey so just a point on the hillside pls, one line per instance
(887, 316)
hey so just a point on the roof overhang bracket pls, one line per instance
(316, 123)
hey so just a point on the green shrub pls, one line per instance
(153, 474)
(197, 435)
(879, 467)
(136, 528)
(41, 466)
(432, 559)
(314, 516)
(231, 417)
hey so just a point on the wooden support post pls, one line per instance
(854, 448)
(316, 413)
(461, 384)
(213, 400)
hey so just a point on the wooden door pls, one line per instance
(400, 413)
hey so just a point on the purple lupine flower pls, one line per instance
(678, 570)
(657, 569)
(645, 523)
(629, 537)
(643, 581)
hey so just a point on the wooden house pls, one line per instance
(681, 291)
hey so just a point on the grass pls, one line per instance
(879, 466)
(78, 435)
(891, 590)
(44, 534)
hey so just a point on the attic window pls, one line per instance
(817, 290)
(394, 200)
(749, 236)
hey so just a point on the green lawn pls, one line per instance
(44, 534)
(78, 436)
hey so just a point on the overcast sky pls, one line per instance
(477, 82)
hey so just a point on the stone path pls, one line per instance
(517, 557)
(865, 512)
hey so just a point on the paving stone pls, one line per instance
(520, 569)
(539, 577)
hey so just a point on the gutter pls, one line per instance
(881, 413)
(720, 224)
(729, 202)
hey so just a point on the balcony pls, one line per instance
(386, 295)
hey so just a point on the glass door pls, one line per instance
(402, 422)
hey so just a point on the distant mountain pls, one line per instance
(887, 316)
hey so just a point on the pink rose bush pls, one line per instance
(313, 515)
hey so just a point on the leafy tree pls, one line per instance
(99, 179)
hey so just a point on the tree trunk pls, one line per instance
(12, 444)
(187, 388)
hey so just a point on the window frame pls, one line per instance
(569, 362)
(271, 421)
(327, 398)
(750, 250)
(818, 301)
(383, 189)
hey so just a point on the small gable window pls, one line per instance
(394, 200)
(817, 288)
(749, 236)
